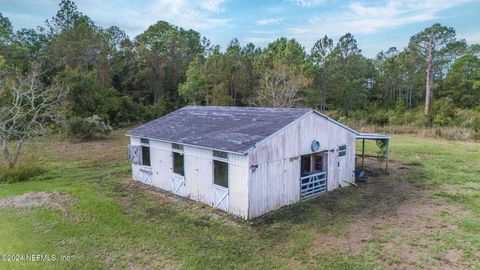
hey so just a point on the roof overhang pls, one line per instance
(186, 144)
(337, 123)
(372, 136)
(358, 135)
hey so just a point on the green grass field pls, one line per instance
(424, 214)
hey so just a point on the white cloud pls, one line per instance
(197, 15)
(307, 3)
(186, 13)
(262, 32)
(360, 18)
(269, 21)
(473, 38)
(212, 5)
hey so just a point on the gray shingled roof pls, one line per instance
(234, 129)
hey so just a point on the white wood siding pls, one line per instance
(238, 185)
(136, 168)
(160, 161)
(198, 174)
(162, 164)
(275, 182)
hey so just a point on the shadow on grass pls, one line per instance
(381, 195)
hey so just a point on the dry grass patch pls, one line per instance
(406, 227)
(52, 200)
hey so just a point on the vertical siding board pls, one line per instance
(162, 164)
(191, 179)
(238, 185)
(198, 174)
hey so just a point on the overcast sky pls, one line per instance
(377, 25)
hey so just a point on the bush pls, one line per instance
(417, 118)
(476, 126)
(87, 95)
(83, 129)
(466, 118)
(379, 117)
(128, 112)
(155, 110)
(444, 112)
(401, 115)
(20, 173)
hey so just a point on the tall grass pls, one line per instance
(21, 172)
(28, 165)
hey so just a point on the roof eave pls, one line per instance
(373, 136)
(250, 149)
(338, 123)
(187, 144)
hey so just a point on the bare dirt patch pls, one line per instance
(53, 200)
(402, 221)
(408, 226)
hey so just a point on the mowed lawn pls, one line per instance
(424, 214)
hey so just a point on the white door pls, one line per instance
(220, 197)
(156, 167)
(179, 185)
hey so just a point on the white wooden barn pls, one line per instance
(243, 160)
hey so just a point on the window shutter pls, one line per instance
(135, 154)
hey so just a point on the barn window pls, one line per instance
(306, 165)
(317, 163)
(220, 154)
(178, 164)
(342, 150)
(312, 163)
(177, 146)
(144, 141)
(220, 173)
(145, 155)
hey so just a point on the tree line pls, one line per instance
(101, 71)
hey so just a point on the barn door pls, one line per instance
(144, 175)
(342, 163)
(135, 154)
(220, 197)
(179, 187)
(313, 178)
(313, 185)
